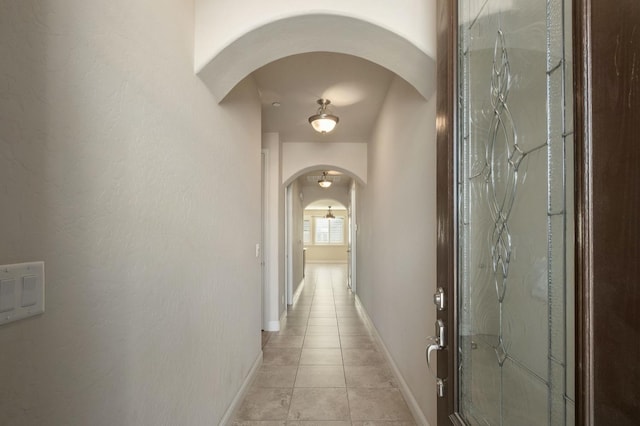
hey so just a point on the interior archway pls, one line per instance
(306, 204)
(318, 33)
(361, 180)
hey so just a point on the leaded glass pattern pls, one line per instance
(513, 133)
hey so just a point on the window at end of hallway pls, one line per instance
(329, 231)
(307, 231)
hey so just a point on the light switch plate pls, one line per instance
(21, 291)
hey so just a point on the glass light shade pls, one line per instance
(323, 123)
(329, 215)
(324, 182)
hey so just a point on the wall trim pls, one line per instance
(325, 262)
(296, 295)
(273, 326)
(265, 235)
(230, 414)
(418, 415)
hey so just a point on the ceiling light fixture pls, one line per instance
(324, 182)
(329, 215)
(323, 121)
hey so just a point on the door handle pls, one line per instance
(439, 342)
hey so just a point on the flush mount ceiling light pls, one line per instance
(329, 215)
(323, 121)
(324, 182)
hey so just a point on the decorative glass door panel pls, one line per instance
(515, 205)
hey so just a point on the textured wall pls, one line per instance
(119, 170)
(397, 235)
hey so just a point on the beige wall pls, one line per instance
(396, 258)
(324, 253)
(115, 163)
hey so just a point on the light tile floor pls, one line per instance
(324, 367)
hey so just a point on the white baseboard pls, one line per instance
(325, 262)
(418, 415)
(235, 404)
(296, 295)
(273, 326)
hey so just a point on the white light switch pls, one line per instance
(7, 295)
(29, 293)
(21, 291)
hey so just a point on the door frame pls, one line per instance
(288, 241)
(583, 219)
(606, 45)
(264, 240)
(353, 235)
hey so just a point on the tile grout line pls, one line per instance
(344, 373)
(319, 295)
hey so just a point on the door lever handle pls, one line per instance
(439, 382)
(439, 341)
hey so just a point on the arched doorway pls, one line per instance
(320, 224)
(318, 33)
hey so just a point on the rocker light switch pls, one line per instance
(29, 291)
(21, 291)
(7, 295)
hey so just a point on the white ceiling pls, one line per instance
(355, 87)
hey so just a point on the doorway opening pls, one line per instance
(320, 227)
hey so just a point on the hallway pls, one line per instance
(324, 365)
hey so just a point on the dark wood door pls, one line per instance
(505, 358)
(608, 188)
(606, 52)
(445, 127)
